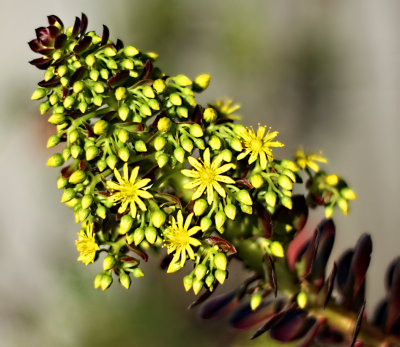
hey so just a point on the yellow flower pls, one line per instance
(258, 145)
(127, 191)
(303, 160)
(178, 239)
(207, 174)
(87, 245)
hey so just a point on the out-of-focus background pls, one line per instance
(323, 73)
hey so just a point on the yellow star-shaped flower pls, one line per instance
(303, 160)
(207, 175)
(87, 245)
(178, 239)
(128, 191)
(258, 145)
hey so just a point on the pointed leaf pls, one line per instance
(294, 325)
(265, 218)
(297, 247)
(41, 63)
(35, 45)
(77, 75)
(343, 271)
(83, 44)
(119, 78)
(105, 36)
(53, 20)
(220, 305)
(311, 253)
(60, 41)
(380, 314)
(84, 24)
(198, 115)
(394, 298)
(75, 29)
(390, 272)
(119, 45)
(312, 333)
(138, 251)
(270, 267)
(225, 245)
(203, 297)
(361, 260)
(148, 69)
(50, 83)
(358, 325)
(329, 285)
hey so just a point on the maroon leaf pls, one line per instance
(77, 75)
(271, 321)
(67, 171)
(390, 272)
(119, 45)
(271, 273)
(138, 251)
(75, 29)
(35, 45)
(84, 24)
(203, 297)
(54, 20)
(311, 253)
(105, 36)
(60, 41)
(41, 63)
(379, 318)
(148, 69)
(129, 259)
(361, 259)
(312, 333)
(394, 298)
(198, 115)
(343, 271)
(220, 305)
(297, 216)
(294, 325)
(265, 218)
(65, 93)
(225, 245)
(83, 44)
(329, 285)
(244, 182)
(44, 36)
(50, 83)
(358, 325)
(119, 78)
(297, 247)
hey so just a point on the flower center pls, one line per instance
(256, 145)
(207, 175)
(180, 238)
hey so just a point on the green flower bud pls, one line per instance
(66, 153)
(199, 143)
(154, 105)
(82, 106)
(104, 74)
(332, 180)
(182, 112)
(285, 182)
(175, 99)
(200, 271)
(220, 261)
(64, 81)
(199, 207)
(179, 154)
(39, 94)
(91, 153)
(97, 280)
(44, 107)
(187, 145)
(201, 82)
(348, 193)
(125, 224)
(158, 218)
(288, 164)
(111, 161)
(255, 301)
(302, 300)
(123, 112)
(58, 109)
(100, 127)
(124, 154)
(329, 210)
(127, 64)
(191, 100)
(277, 249)
(48, 75)
(145, 110)
(67, 195)
(138, 236)
(230, 211)
(78, 87)
(123, 135)
(108, 262)
(257, 181)
(159, 143)
(226, 155)
(110, 51)
(343, 206)
(76, 151)
(246, 209)
(106, 281)
(220, 219)
(140, 146)
(76, 64)
(188, 282)
(287, 202)
(164, 124)
(62, 70)
(287, 193)
(69, 102)
(61, 182)
(205, 223)
(148, 92)
(244, 197)
(101, 211)
(150, 233)
(130, 51)
(62, 126)
(55, 160)
(210, 115)
(111, 64)
(270, 198)
(90, 60)
(159, 86)
(215, 142)
(53, 140)
(137, 272)
(125, 280)
(53, 99)
(101, 164)
(120, 93)
(136, 118)
(86, 201)
(77, 176)
(196, 130)
(209, 281)
(197, 285)
(56, 118)
(182, 80)
(94, 74)
(220, 276)
(98, 88)
(162, 160)
(98, 100)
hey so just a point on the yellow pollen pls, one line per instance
(256, 145)
(207, 175)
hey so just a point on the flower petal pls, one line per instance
(219, 189)
(224, 179)
(195, 163)
(134, 174)
(190, 173)
(188, 221)
(224, 168)
(210, 193)
(199, 192)
(180, 219)
(206, 156)
(144, 194)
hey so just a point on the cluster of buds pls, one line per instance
(145, 167)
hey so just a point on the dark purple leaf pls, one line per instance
(203, 297)
(380, 314)
(77, 75)
(271, 321)
(294, 325)
(225, 245)
(89, 129)
(119, 78)
(220, 305)
(358, 344)
(65, 93)
(53, 32)
(297, 247)
(329, 285)
(138, 251)
(361, 259)
(244, 182)
(60, 41)
(108, 116)
(358, 325)
(271, 273)
(343, 271)
(389, 273)
(53, 20)
(297, 216)
(311, 253)
(394, 298)
(67, 171)
(133, 126)
(329, 335)
(198, 115)
(105, 36)
(75, 29)
(265, 218)
(35, 45)
(119, 45)
(312, 333)
(223, 120)
(84, 24)
(148, 70)
(83, 44)
(50, 83)
(44, 36)
(129, 259)
(41, 63)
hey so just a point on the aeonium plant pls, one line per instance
(146, 168)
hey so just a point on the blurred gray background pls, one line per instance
(323, 73)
